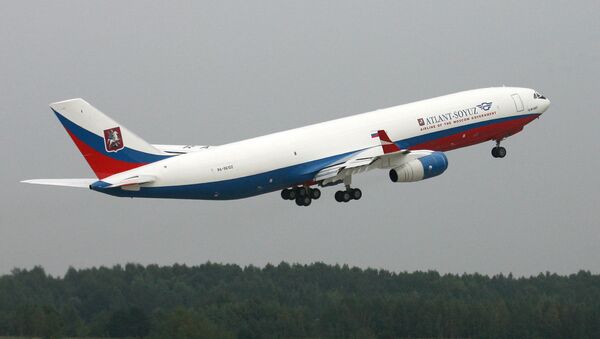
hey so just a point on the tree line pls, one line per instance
(295, 301)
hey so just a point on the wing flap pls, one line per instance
(356, 164)
(181, 149)
(328, 172)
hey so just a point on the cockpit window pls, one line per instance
(537, 95)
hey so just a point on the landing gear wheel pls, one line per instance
(501, 152)
(498, 152)
(356, 193)
(315, 193)
(288, 194)
(292, 194)
(346, 196)
(303, 201)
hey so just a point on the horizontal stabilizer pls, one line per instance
(82, 183)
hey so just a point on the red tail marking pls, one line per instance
(102, 165)
(386, 143)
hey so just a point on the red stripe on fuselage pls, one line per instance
(104, 166)
(494, 131)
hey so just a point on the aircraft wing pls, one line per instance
(134, 181)
(356, 164)
(180, 149)
(363, 161)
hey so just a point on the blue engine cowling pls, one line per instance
(425, 167)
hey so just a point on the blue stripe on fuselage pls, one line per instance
(272, 180)
(233, 188)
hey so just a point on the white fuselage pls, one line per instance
(275, 161)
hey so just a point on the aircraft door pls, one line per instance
(518, 102)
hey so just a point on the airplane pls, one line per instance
(408, 141)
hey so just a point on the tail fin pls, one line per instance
(107, 146)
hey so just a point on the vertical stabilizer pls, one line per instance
(106, 145)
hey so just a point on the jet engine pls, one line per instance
(424, 167)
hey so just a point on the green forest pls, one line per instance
(295, 301)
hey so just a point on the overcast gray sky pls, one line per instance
(215, 72)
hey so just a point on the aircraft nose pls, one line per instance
(541, 101)
(544, 105)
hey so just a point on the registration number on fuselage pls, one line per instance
(224, 168)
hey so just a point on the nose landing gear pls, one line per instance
(498, 151)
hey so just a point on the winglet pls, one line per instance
(387, 144)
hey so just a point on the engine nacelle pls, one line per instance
(425, 167)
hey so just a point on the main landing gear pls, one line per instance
(348, 194)
(302, 195)
(498, 151)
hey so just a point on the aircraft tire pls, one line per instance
(292, 194)
(356, 193)
(495, 152)
(315, 193)
(338, 196)
(501, 152)
(303, 201)
(285, 194)
(346, 196)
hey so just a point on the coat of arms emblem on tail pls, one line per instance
(113, 140)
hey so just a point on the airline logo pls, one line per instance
(113, 140)
(456, 116)
(485, 106)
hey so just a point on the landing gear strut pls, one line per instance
(498, 151)
(302, 195)
(350, 193)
